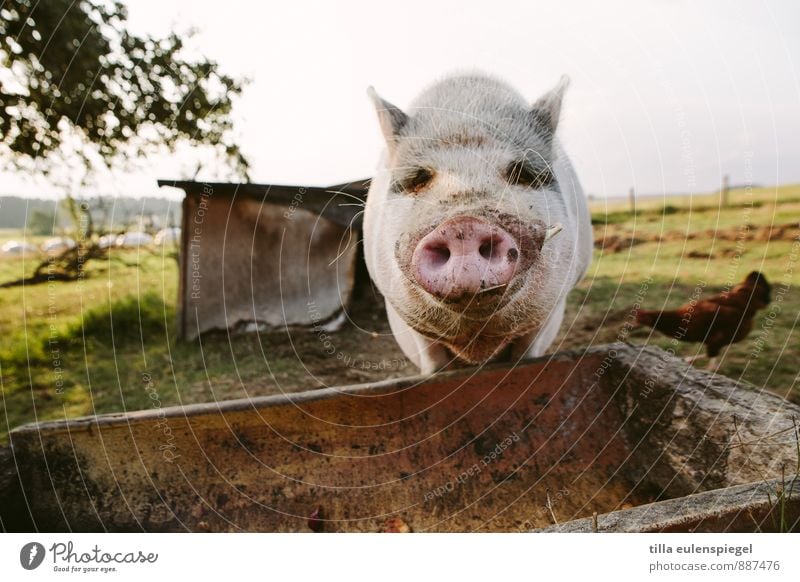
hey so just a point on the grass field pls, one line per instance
(107, 343)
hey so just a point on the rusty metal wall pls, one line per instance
(245, 260)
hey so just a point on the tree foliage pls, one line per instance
(75, 82)
(41, 222)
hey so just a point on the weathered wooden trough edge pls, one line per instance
(676, 514)
(687, 377)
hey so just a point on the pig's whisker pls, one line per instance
(492, 288)
(359, 201)
(355, 217)
(344, 248)
(349, 238)
(552, 231)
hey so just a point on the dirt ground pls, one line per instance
(362, 350)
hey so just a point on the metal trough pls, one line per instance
(615, 430)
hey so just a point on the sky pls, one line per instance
(666, 96)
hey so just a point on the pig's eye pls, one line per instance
(417, 180)
(520, 173)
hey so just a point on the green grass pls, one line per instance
(72, 349)
(600, 306)
(107, 342)
(60, 354)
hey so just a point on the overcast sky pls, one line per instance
(666, 96)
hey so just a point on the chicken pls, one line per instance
(717, 321)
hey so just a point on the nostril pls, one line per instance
(486, 249)
(438, 255)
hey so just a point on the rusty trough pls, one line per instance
(631, 434)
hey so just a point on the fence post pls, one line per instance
(632, 199)
(725, 188)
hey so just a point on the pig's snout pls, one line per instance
(464, 256)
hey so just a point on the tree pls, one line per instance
(70, 265)
(42, 222)
(79, 86)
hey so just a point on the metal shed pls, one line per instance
(265, 255)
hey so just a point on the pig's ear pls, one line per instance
(547, 108)
(392, 118)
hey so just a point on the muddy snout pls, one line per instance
(463, 257)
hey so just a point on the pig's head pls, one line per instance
(464, 248)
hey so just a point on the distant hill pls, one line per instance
(108, 213)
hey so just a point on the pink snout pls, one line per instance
(464, 256)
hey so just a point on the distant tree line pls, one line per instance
(50, 217)
(16, 212)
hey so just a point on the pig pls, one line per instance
(475, 227)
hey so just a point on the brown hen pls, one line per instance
(717, 321)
